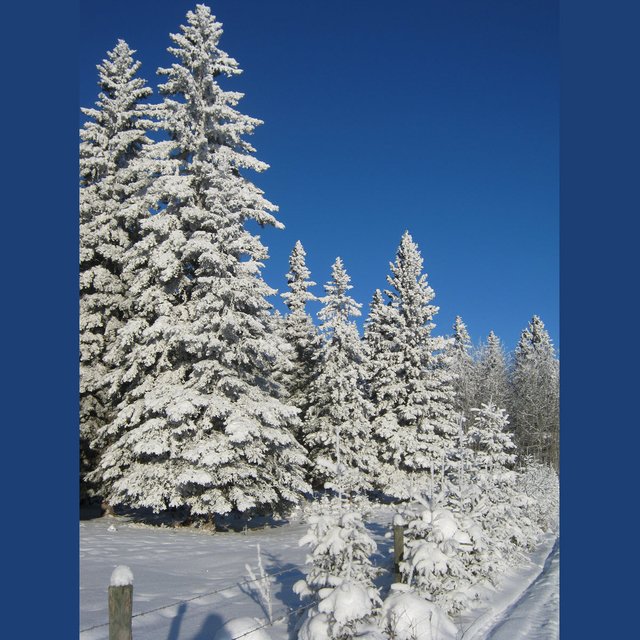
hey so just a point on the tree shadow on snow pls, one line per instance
(383, 558)
(253, 592)
(384, 541)
(378, 529)
(91, 511)
(210, 626)
(180, 518)
(174, 631)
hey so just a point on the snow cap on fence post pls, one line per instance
(121, 576)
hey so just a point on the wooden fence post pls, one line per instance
(120, 603)
(398, 550)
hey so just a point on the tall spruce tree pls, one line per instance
(380, 335)
(300, 332)
(337, 429)
(463, 367)
(535, 398)
(113, 181)
(492, 373)
(413, 393)
(200, 424)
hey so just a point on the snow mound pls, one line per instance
(407, 616)
(347, 602)
(398, 520)
(121, 576)
(248, 628)
(315, 628)
(444, 524)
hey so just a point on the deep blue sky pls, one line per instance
(432, 116)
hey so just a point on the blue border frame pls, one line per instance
(40, 319)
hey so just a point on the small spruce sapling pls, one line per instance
(339, 584)
(539, 483)
(439, 556)
(495, 499)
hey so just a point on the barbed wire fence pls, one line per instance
(289, 611)
(389, 566)
(236, 585)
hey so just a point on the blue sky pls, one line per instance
(436, 117)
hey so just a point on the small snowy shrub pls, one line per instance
(493, 495)
(340, 580)
(539, 483)
(340, 612)
(394, 482)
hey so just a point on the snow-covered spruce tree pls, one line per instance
(491, 443)
(200, 425)
(339, 585)
(380, 331)
(337, 430)
(284, 365)
(494, 497)
(379, 336)
(463, 368)
(300, 332)
(113, 181)
(492, 373)
(535, 400)
(410, 386)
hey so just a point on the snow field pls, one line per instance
(188, 584)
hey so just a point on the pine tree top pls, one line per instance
(338, 307)
(118, 123)
(494, 344)
(298, 280)
(410, 293)
(120, 88)
(535, 339)
(461, 339)
(201, 37)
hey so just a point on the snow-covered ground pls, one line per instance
(526, 605)
(536, 616)
(188, 583)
